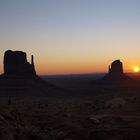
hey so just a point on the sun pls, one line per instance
(136, 69)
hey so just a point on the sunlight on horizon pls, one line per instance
(136, 69)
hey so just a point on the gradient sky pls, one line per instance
(72, 36)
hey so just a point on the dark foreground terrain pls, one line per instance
(79, 111)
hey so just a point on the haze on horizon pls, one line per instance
(72, 36)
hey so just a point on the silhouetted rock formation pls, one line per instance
(116, 68)
(115, 74)
(15, 62)
(20, 77)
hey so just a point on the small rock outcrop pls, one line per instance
(116, 68)
(116, 74)
(15, 62)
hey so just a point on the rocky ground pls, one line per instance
(110, 115)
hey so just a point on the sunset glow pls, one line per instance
(136, 69)
(64, 38)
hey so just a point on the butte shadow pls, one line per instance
(20, 78)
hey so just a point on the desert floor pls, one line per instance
(77, 112)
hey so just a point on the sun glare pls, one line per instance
(136, 69)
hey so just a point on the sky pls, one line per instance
(72, 36)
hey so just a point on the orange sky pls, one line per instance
(64, 38)
(67, 66)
